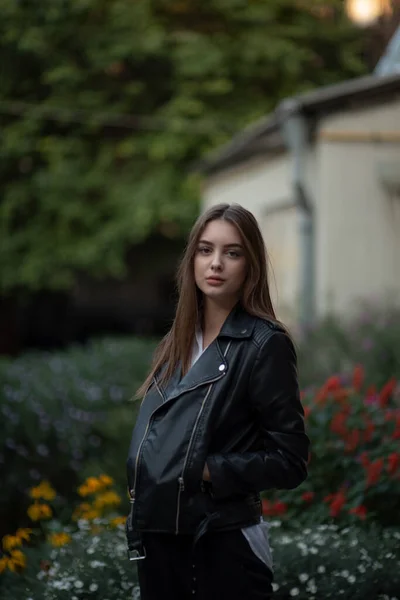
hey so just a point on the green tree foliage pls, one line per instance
(105, 103)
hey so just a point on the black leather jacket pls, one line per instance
(238, 409)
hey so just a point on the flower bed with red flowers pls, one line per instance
(354, 462)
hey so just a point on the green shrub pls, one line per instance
(66, 415)
(335, 346)
(325, 562)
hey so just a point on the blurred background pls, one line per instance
(120, 122)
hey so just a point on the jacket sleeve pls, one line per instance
(275, 397)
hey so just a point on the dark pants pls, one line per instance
(221, 567)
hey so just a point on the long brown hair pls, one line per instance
(176, 346)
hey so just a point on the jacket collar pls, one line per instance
(212, 364)
(238, 324)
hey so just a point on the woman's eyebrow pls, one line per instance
(226, 245)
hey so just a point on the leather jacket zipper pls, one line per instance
(181, 480)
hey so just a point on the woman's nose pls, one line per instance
(216, 262)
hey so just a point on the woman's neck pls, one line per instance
(214, 316)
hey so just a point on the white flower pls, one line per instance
(90, 550)
(345, 573)
(314, 550)
(95, 564)
(93, 587)
(301, 545)
(303, 577)
(307, 531)
(361, 568)
(275, 523)
(285, 539)
(275, 587)
(321, 569)
(311, 587)
(294, 592)
(351, 579)
(78, 584)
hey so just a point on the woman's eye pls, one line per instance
(204, 250)
(233, 254)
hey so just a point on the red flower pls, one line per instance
(352, 440)
(279, 508)
(307, 411)
(364, 459)
(341, 395)
(359, 511)
(275, 509)
(393, 462)
(338, 423)
(374, 471)
(332, 383)
(396, 433)
(386, 392)
(358, 377)
(308, 496)
(339, 500)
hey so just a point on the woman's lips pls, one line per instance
(214, 281)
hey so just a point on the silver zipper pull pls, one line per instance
(181, 484)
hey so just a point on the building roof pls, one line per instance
(265, 135)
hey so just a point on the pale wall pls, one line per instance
(358, 221)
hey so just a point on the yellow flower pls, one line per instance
(108, 498)
(91, 486)
(118, 521)
(106, 480)
(24, 533)
(79, 510)
(10, 542)
(16, 560)
(36, 512)
(59, 539)
(90, 515)
(43, 491)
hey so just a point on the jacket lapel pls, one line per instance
(212, 364)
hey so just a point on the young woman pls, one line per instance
(220, 421)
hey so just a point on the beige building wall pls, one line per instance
(357, 227)
(358, 219)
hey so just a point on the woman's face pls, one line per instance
(220, 266)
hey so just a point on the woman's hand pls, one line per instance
(206, 473)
